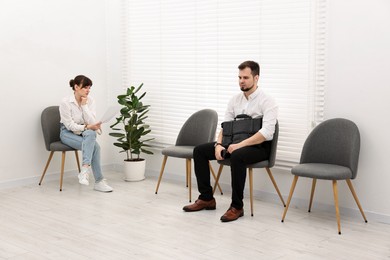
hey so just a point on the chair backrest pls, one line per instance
(274, 146)
(334, 141)
(199, 128)
(50, 121)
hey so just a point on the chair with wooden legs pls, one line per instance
(330, 152)
(267, 164)
(50, 121)
(198, 129)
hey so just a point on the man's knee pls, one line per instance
(197, 150)
(237, 156)
(200, 149)
(204, 151)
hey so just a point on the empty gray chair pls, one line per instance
(330, 152)
(263, 164)
(198, 129)
(50, 121)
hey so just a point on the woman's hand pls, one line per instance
(95, 126)
(83, 101)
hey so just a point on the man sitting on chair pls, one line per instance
(255, 103)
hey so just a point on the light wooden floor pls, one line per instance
(39, 222)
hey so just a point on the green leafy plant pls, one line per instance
(130, 137)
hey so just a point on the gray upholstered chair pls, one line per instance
(198, 129)
(267, 164)
(330, 152)
(50, 121)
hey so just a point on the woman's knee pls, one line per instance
(89, 134)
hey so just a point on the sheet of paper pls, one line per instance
(109, 114)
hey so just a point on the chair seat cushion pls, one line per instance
(59, 146)
(322, 171)
(179, 151)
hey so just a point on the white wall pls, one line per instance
(358, 69)
(43, 44)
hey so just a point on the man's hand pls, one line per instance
(234, 147)
(218, 150)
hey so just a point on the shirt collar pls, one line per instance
(254, 94)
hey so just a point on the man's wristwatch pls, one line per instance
(216, 144)
(85, 127)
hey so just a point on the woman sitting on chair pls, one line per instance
(79, 128)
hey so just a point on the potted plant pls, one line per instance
(130, 130)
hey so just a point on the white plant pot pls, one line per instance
(134, 170)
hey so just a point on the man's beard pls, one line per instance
(246, 89)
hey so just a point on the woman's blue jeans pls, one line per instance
(86, 142)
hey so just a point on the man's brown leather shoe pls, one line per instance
(199, 205)
(232, 214)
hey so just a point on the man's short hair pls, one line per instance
(254, 66)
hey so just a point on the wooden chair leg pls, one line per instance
(215, 177)
(313, 187)
(356, 198)
(161, 172)
(47, 165)
(62, 169)
(77, 160)
(336, 204)
(275, 185)
(188, 173)
(294, 183)
(251, 189)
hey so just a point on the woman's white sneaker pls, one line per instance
(83, 176)
(103, 186)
